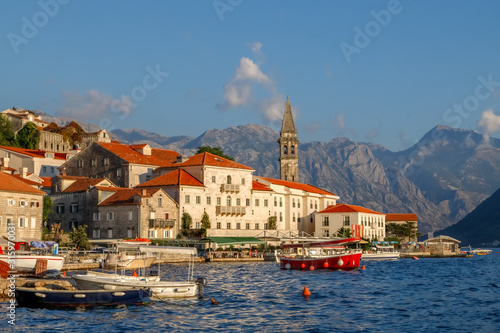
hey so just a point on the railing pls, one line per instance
(230, 188)
(230, 210)
(161, 223)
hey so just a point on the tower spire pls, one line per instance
(289, 145)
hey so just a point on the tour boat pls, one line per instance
(160, 288)
(380, 252)
(24, 262)
(330, 254)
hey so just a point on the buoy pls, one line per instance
(325, 264)
(213, 301)
(306, 291)
(288, 266)
(311, 268)
(340, 262)
(134, 274)
(363, 267)
(303, 266)
(415, 258)
(64, 273)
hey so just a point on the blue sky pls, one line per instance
(373, 71)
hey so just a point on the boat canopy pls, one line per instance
(169, 250)
(327, 243)
(221, 241)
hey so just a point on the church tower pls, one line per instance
(289, 147)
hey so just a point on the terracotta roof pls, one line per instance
(158, 156)
(11, 183)
(34, 153)
(126, 196)
(343, 208)
(297, 186)
(27, 181)
(259, 186)
(47, 181)
(71, 177)
(83, 184)
(138, 146)
(401, 217)
(176, 177)
(209, 159)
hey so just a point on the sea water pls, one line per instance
(426, 295)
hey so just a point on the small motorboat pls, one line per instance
(381, 252)
(45, 297)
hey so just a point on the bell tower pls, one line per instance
(289, 147)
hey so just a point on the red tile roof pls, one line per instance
(400, 217)
(126, 196)
(11, 183)
(259, 186)
(47, 181)
(83, 184)
(210, 159)
(343, 208)
(176, 177)
(158, 157)
(27, 181)
(297, 186)
(34, 153)
(71, 177)
(138, 146)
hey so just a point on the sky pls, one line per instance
(372, 71)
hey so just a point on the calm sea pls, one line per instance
(426, 295)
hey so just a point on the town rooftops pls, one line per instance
(176, 177)
(209, 159)
(126, 196)
(35, 153)
(344, 208)
(83, 184)
(158, 157)
(297, 186)
(256, 186)
(11, 183)
(400, 217)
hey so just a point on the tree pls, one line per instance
(79, 237)
(403, 232)
(186, 221)
(271, 222)
(344, 232)
(6, 132)
(28, 137)
(47, 207)
(205, 223)
(214, 150)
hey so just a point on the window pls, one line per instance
(285, 150)
(33, 222)
(159, 201)
(152, 215)
(198, 199)
(229, 179)
(326, 221)
(265, 202)
(228, 225)
(248, 202)
(96, 233)
(129, 233)
(60, 208)
(247, 226)
(275, 202)
(281, 202)
(293, 203)
(110, 216)
(347, 221)
(11, 202)
(218, 225)
(213, 179)
(93, 162)
(153, 233)
(238, 202)
(73, 224)
(326, 233)
(73, 208)
(186, 199)
(218, 201)
(228, 200)
(130, 215)
(298, 203)
(293, 217)
(298, 219)
(311, 205)
(242, 181)
(105, 161)
(118, 172)
(52, 170)
(256, 202)
(238, 225)
(45, 144)
(256, 226)
(166, 216)
(97, 216)
(166, 233)
(51, 145)
(80, 163)
(23, 203)
(281, 217)
(209, 200)
(315, 205)
(44, 169)
(22, 222)
(265, 225)
(198, 225)
(292, 150)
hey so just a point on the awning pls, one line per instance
(234, 240)
(169, 250)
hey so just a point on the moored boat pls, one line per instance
(381, 252)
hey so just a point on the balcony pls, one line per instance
(229, 188)
(230, 210)
(161, 223)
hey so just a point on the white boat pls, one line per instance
(128, 260)
(23, 262)
(480, 252)
(381, 252)
(160, 288)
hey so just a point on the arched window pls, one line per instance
(229, 179)
(292, 150)
(228, 200)
(285, 150)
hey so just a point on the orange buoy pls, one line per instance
(134, 274)
(213, 301)
(64, 273)
(306, 291)
(325, 264)
(415, 258)
(303, 266)
(311, 268)
(363, 267)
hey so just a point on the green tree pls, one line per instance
(214, 150)
(403, 232)
(28, 137)
(7, 137)
(47, 207)
(271, 222)
(205, 223)
(186, 221)
(343, 232)
(79, 237)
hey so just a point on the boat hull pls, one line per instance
(27, 263)
(134, 263)
(347, 261)
(33, 297)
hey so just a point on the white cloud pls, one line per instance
(490, 122)
(249, 70)
(93, 105)
(256, 47)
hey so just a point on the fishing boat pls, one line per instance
(44, 297)
(160, 288)
(330, 254)
(381, 252)
(127, 255)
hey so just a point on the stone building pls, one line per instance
(362, 222)
(289, 147)
(124, 165)
(21, 208)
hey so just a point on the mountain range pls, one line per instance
(442, 178)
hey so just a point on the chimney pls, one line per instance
(143, 192)
(181, 159)
(23, 171)
(5, 162)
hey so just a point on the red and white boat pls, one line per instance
(330, 254)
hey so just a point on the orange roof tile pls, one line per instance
(176, 177)
(259, 186)
(27, 181)
(401, 217)
(71, 177)
(47, 181)
(209, 159)
(126, 197)
(297, 186)
(344, 208)
(83, 184)
(34, 153)
(158, 156)
(11, 183)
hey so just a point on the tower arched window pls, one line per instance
(292, 150)
(229, 179)
(228, 200)
(285, 150)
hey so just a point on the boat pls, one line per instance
(44, 297)
(160, 288)
(480, 252)
(381, 252)
(127, 256)
(330, 254)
